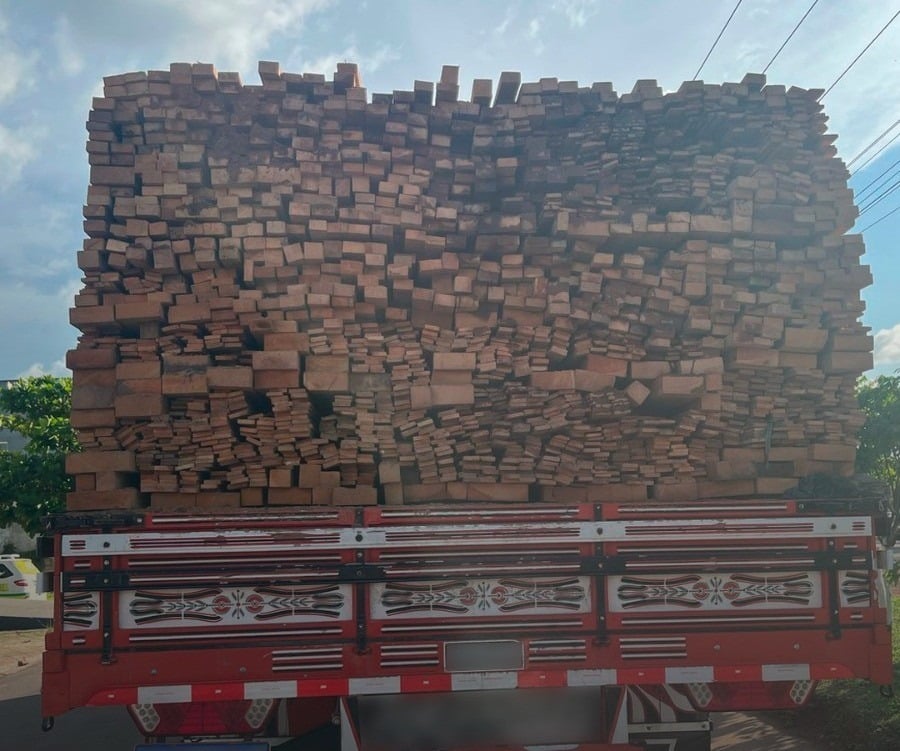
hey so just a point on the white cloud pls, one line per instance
(71, 61)
(327, 64)
(18, 147)
(577, 12)
(508, 18)
(17, 66)
(887, 347)
(236, 33)
(34, 327)
(533, 34)
(56, 368)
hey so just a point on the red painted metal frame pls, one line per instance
(75, 673)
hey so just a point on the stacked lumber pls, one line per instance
(298, 294)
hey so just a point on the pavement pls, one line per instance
(20, 614)
(739, 731)
(20, 649)
(87, 729)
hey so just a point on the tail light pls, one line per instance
(725, 697)
(202, 717)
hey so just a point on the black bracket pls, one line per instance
(45, 547)
(93, 520)
(834, 595)
(600, 566)
(106, 614)
(361, 572)
(604, 564)
(95, 581)
(829, 560)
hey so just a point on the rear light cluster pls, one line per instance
(725, 697)
(258, 712)
(146, 717)
(202, 718)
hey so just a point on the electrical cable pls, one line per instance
(784, 43)
(880, 197)
(894, 171)
(873, 143)
(865, 188)
(864, 50)
(879, 221)
(697, 74)
(863, 165)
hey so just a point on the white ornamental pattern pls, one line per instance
(234, 606)
(480, 598)
(80, 611)
(723, 592)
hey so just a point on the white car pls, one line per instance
(18, 576)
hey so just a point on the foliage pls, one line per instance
(851, 715)
(879, 439)
(33, 481)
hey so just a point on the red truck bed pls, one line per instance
(743, 604)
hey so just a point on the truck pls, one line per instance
(418, 423)
(591, 626)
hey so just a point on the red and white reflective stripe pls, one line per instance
(440, 682)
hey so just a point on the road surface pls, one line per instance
(16, 614)
(91, 729)
(737, 731)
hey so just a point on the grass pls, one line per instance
(852, 715)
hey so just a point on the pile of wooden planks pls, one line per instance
(298, 294)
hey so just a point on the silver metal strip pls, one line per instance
(601, 677)
(667, 727)
(790, 672)
(164, 694)
(381, 685)
(483, 681)
(690, 675)
(270, 690)
(461, 535)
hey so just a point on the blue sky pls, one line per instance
(54, 54)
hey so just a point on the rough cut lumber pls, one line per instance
(299, 293)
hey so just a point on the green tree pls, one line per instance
(879, 439)
(33, 481)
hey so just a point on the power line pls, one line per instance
(879, 221)
(882, 135)
(865, 49)
(697, 74)
(865, 188)
(862, 166)
(784, 43)
(871, 204)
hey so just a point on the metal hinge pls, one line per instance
(95, 581)
(361, 572)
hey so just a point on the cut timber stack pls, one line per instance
(294, 294)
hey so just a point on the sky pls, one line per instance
(54, 54)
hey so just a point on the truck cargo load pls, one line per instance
(411, 421)
(298, 296)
